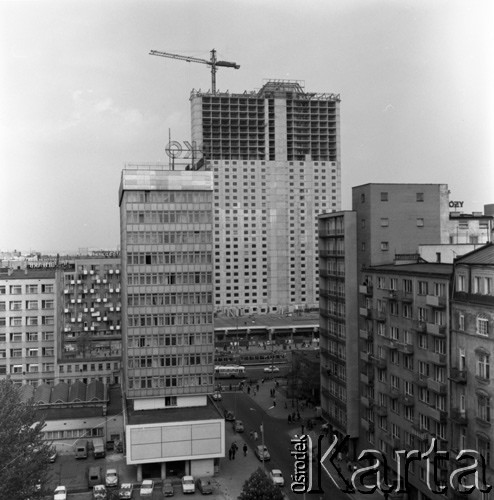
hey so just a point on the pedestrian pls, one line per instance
(274, 402)
(230, 454)
(248, 390)
(251, 434)
(255, 436)
(257, 387)
(289, 419)
(245, 449)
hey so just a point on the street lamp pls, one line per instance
(262, 437)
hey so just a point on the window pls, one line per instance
(393, 284)
(384, 196)
(483, 407)
(381, 282)
(460, 283)
(420, 222)
(384, 222)
(420, 197)
(461, 322)
(483, 367)
(482, 326)
(484, 449)
(407, 286)
(423, 288)
(384, 246)
(15, 289)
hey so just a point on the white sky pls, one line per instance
(80, 96)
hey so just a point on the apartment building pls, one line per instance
(166, 219)
(472, 327)
(28, 325)
(90, 317)
(338, 304)
(404, 311)
(275, 156)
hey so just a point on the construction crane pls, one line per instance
(212, 62)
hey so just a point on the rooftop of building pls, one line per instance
(420, 268)
(473, 215)
(27, 274)
(253, 321)
(272, 87)
(168, 415)
(482, 255)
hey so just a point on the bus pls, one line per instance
(229, 371)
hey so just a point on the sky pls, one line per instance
(80, 96)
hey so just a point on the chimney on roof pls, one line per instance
(11, 270)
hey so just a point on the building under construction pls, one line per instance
(275, 154)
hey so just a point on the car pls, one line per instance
(188, 485)
(262, 453)
(125, 491)
(229, 416)
(271, 369)
(238, 426)
(60, 493)
(217, 396)
(276, 477)
(204, 486)
(99, 492)
(147, 488)
(53, 455)
(111, 478)
(167, 488)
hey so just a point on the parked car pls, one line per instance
(167, 489)
(204, 486)
(276, 477)
(262, 453)
(126, 491)
(99, 492)
(60, 493)
(271, 369)
(217, 396)
(229, 416)
(238, 426)
(188, 485)
(147, 488)
(111, 478)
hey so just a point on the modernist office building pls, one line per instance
(167, 320)
(275, 154)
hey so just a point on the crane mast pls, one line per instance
(213, 62)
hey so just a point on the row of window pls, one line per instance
(181, 258)
(27, 337)
(169, 197)
(168, 237)
(170, 381)
(143, 320)
(92, 367)
(481, 285)
(27, 352)
(160, 299)
(27, 321)
(170, 339)
(28, 289)
(170, 360)
(191, 278)
(30, 305)
(73, 434)
(169, 216)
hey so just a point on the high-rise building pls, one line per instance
(275, 155)
(167, 320)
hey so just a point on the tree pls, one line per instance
(24, 456)
(259, 487)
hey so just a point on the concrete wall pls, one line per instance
(202, 468)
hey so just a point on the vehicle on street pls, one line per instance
(188, 485)
(125, 491)
(111, 478)
(271, 369)
(229, 416)
(53, 455)
(99, 492)
(262, 453)
(81, 449)
(204, 486)
(147, 488)
(229, 371)
(276, 477)
(94, 476)
(167, 489)
(60, 493)
(238, 426)
(98, 448)
(217, 396)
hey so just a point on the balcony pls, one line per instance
(379, 315)
(392, 294)
(366, 290)
(365, 312)
(434, 385)
(406, 400)
(364, 334)
(437, 359)
(378, 362)
(419, 326)
(419, 433)
(405, 348)
(394, 393)
(421, 380)
(437, 330)
(435, 301)
(458, 376)
(364, 356)
(381, 410)
(459, 416)
(364, 379)
(366, 402)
